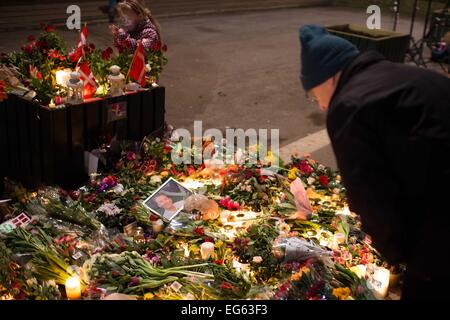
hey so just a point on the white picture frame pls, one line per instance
(171, 192)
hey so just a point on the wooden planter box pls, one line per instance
(42, 145)
(392, 45)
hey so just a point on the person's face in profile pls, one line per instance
(164, 202)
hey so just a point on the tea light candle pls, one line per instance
(380, 282)
(339, 238)
(360, 270)
(207, 250)
(157, 225)
(73, 288)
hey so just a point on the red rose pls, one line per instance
(226, 286)
(49, 28)
(55, 55)
(156, 46)
(324, 180)
(91, 47)
(199, 231)
(173, 170)
(106, 54)
(167, 149)
(164, 48)
(154, 217)
(191, 170)
(75, 195)
(28, 48)
(31, 38)
(131, 156)
(220, 261)
(305, 167)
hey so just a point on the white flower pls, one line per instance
(155, 179)
(311, 180)
(148, 68)
(109, 209)
(321, 167)
(32, 282)
(284, 227)
(118, 189)
(257, 259)
(248, 188)
(51, 283)
(336, 191)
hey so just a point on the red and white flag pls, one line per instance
(90, 84)
(79, 51)
(137, 68)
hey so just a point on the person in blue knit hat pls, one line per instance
(389, 126)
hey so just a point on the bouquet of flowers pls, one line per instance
(129, 272)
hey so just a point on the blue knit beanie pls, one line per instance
(323, 55)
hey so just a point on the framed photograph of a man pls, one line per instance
(168, 200)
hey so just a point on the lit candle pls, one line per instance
(186, 251)
(360, 270)
(157, 225)
(62, 76)
(346, 211)
(73, 288)
(207, 250)
(380, 282)
(339, 238)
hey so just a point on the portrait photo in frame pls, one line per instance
(168, 200)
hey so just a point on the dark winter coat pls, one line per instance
(389, 125)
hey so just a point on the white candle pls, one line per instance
(73, 288)
(345, 211)
(62, 76)
(207, 250)
(380, 282)
(185, 246)
(339, 238)
(157, 225)
(359, 270)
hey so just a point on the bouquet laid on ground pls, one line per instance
(250, 245)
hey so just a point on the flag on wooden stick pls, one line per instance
(137, 68)
(90, 84)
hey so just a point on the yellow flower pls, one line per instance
(219, 244)
(296, 276)
(194, 249)
(293, 173)
(270, 158)
(148, 296)
(164, 174)
(342, 293)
